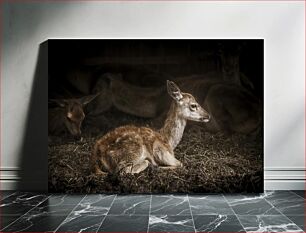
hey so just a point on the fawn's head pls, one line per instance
(188, 106)
(74, 115)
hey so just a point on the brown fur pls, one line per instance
(135, 100)
(130, 149)
(117, 149)
(67, 116)
(66, 119)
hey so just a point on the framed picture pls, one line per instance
(156, 115)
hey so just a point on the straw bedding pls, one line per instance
(213, 163)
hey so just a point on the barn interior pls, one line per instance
(128, 80)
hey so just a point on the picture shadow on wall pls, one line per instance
(34, 162)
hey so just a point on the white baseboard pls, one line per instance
(276, 178)
(285, 178)
(9, 178)
(284, 184)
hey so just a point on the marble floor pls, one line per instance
(273, 211)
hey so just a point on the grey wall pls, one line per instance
(26, 25)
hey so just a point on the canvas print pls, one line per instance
(155, 116)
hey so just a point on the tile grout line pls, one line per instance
(26, 213)
(297, 194)
(284, 215)
(8, 196)
(149, 213)
(107, 213)
(191, 214)
(69, 213)
(234, 213)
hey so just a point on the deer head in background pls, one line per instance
(68, 115)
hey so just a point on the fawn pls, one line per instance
(68, 115)
(131, 149)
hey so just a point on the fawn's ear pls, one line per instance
(174, 91)
(59, 102)
(87, 99)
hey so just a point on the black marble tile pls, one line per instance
(81, 223)
(56, 210)
(64, 199)
(300, 193)
(299, 220)
(88, 214)
(170, 205)
(209, 205)
(35, 223)
(49, 214)
(266, 223)
(57, 205)
(7, 220)
(95, 204)
(217, 223)
(124, 223)
(164, 223)
(20, 203)
(131, 204)
(5, 194)
(287, 202)
(32, 212)
(251, 205)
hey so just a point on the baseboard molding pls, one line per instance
(284, 178)
(284, 185)
(284, 174)
(276, 178)
(9, 178)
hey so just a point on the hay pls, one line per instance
(212, 163)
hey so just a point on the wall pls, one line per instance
(26, 25)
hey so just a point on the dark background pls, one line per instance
(174, 57)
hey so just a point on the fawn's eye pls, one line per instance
(193, 107)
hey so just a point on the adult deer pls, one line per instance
(233, 109)
(135, 100)
(68, 115)
(131, 149)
